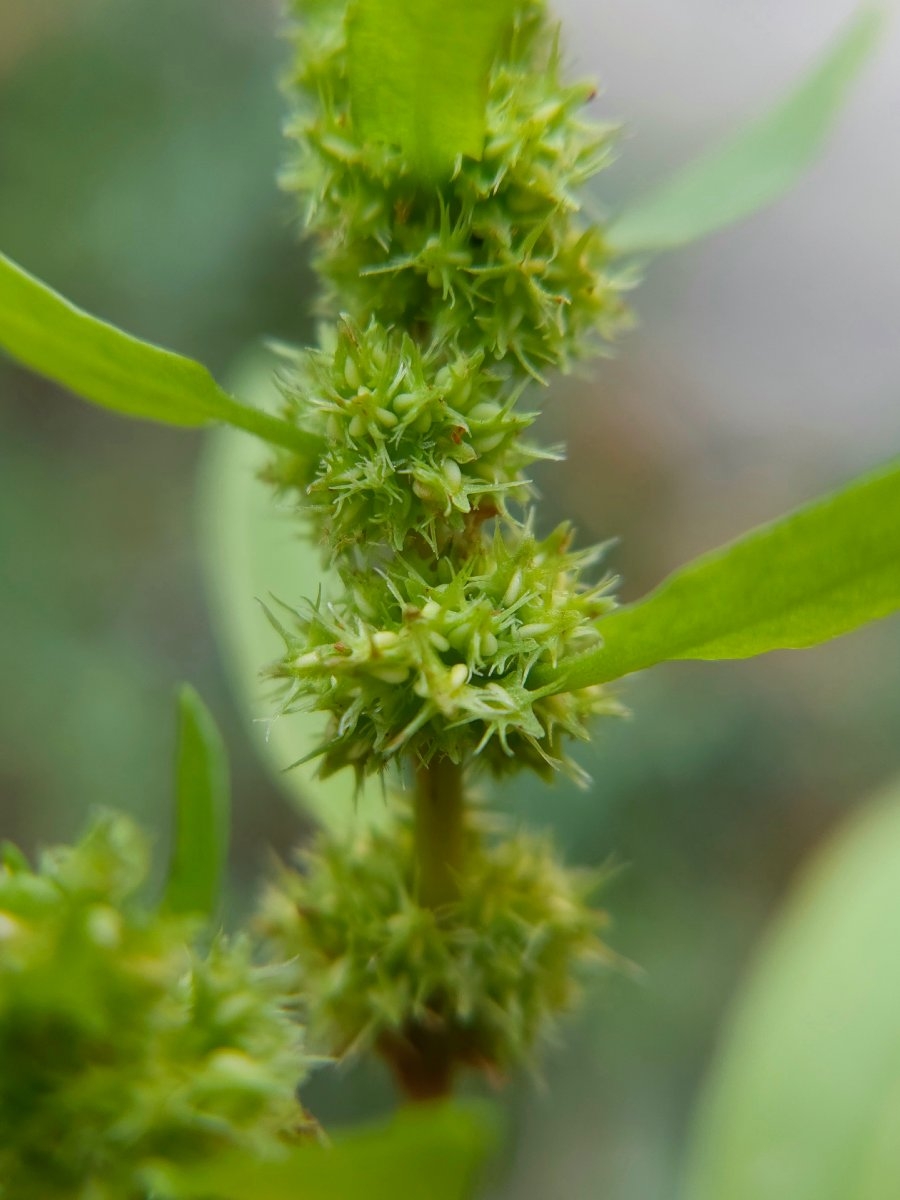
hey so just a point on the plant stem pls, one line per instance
(264, 425)
(439, 808)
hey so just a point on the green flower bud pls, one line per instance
(452, 299)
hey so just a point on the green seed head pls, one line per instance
(501, 260)
(425, 659)
(476, 983)
(416, 445)
(452, 298)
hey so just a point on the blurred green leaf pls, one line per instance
(759, 165)
(813, 575)
(202, 811)
(108, 367)
(253, 549)
(804, 1096)
(428, 1153)
(419, 75)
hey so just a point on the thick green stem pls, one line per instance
(440, 831)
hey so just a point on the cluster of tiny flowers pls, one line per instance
(433, 660)
(120, 1046)
(447, 299)
(499, 257)
(475, 983)
(410, 445)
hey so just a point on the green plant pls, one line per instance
(437, 155)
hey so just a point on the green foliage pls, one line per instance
(434, 1153)
(759, 165)
(803, 1098)
(455, 295)
(475, 982)
(202, 811)
(419, 75)
(108, 367)
(816, 574)
(120, 1043)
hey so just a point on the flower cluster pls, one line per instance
(119, 1044)
(414, 443)
(428, 659)
(500, 258)
(443, 302)
(448, 299)
(475, 983)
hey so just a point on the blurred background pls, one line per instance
(139, 143)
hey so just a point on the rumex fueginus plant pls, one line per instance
(446, 296)
(438, 155)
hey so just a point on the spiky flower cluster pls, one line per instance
(120, 1045)
(415, 443)
(436, 944)
(432, 660)
(499, 258)
(474, 983)
(452, 297)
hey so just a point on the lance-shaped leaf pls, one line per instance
(419, 75)
(803, 1100)
(202, 811)
(102, 364)
(434, 1153)
(759, 165)
(820, 572)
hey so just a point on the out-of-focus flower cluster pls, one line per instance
(474, 983)
(120, 1044)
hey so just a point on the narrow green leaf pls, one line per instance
(253, 549)
(431, 1153)
(759, 165)
(102, 364)
(803, 1100)
(419, 75)
(202, 803)
(820, 572)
